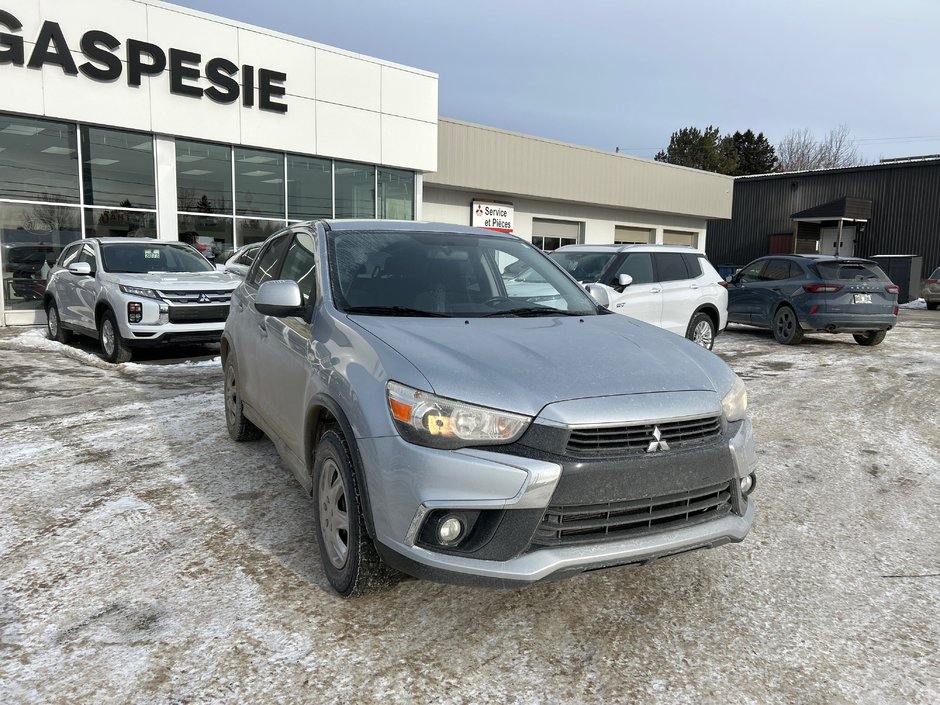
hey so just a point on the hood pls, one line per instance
(523, 364)
(175, 281)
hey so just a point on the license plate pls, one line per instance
(861, 298)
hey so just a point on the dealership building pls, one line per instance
(141, 118)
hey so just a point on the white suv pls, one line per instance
(136, 292)
(669, 286)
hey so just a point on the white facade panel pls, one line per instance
(121, 18)
(192, 117)
(347, 81)
(299, 135)
(407, 142)
(299, 61)
(348, 133)
(409, 95)
(169, 28)
(22, 91)
(68, 98)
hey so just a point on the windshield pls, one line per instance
(446, 274)
(853, 271)
(586, 267)
(142, 257)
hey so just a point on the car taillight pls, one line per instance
(897, 310)
(822, 288)
(725, 284)
(892, 288)
(932, 281)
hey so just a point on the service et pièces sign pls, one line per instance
(492, 216)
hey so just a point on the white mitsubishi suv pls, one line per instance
(670, 286)
(134, 293)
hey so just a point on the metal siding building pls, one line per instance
(568, 192)
(905, 210)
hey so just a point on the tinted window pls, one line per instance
(693, 264)
(853, 271)
(269, 263)
(670, 266)
(87, 254)
(753, 272)
(40, 160)
(584, 266)
(117, 168)
(777, 269)
(300, 264)
(259, 183)
(69, 254)
(638, 265)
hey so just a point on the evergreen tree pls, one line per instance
(753, 153)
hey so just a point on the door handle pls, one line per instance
(655, 291)
(264, 329)
(694, 286)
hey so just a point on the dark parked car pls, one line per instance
(793, 294)
(931, 292)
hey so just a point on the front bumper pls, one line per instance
(406, 483)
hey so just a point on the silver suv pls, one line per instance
(454, 431)
(136, 293)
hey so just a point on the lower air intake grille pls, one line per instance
(205, 313)
(589, 523)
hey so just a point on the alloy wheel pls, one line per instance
(703, 335)
(107, 337)
(334, 519)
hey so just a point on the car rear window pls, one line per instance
(851, 271)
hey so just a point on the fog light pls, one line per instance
(164, 315)
(747, 484)
(449, 530)
(135, 312)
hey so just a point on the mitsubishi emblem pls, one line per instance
(203, 299)
(658, 443)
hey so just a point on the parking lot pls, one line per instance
(145, 557)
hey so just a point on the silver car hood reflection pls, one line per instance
(523, 364)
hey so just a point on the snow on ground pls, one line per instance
(145, 557)
(916, 304)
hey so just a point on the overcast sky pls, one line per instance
(627, 74)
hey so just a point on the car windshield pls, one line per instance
(583, 266)
(142, 257)
(403, 273)
(852, 271)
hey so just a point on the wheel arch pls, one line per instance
(324, 413)
(711, 311)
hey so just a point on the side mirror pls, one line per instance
(280, 298)
(625, 280)
(81, 269)
(599, 294)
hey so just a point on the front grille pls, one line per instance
(193, 297)
(589, 523)
(611, 440)
(204, 313)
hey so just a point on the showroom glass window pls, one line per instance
(309, 188)
(203, 177)
(259, 183)
(40, 200)
(118, 180)
(355, 190)
(396, 197)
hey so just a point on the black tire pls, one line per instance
(875, 337)
(113, 346)
(786, 326)
(701, 330)
(54, 329)
(239, 428)
(932, 305)
(350, 561)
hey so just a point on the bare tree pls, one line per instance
(801, 151)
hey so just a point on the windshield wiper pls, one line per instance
(394, 311)
(533, 311)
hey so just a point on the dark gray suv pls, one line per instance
(451, 430)
(794, 294)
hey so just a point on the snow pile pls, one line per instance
(918, 304)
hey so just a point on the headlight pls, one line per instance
(735, 402)
(430, 420)
(138, 291)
